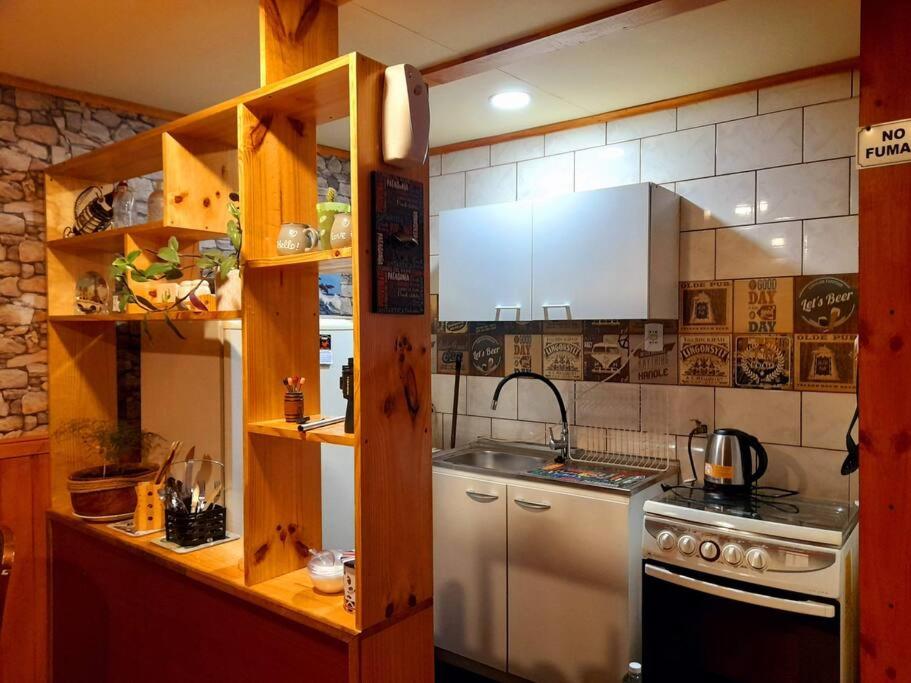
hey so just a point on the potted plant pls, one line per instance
(107, 492)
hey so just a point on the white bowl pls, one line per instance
(328, 582)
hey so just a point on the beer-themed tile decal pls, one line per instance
(762, 361)
(448, 347)
(764, 305)
(826, 303)
(705, 360)
(705, 306)
(605, 347)
(486, 351)
(561, 326)
(654, 362)
(562, 356)
(522, 353)
(825, 362)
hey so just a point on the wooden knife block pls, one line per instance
(149, 512)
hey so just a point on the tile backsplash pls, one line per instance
(768, 257)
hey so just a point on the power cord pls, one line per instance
(700, 428)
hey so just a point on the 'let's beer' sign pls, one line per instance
(884, 144)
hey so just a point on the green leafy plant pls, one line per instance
(116, 442)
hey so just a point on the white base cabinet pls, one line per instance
(541, 581)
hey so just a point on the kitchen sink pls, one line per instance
(496, 460)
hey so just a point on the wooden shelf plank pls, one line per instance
(334, 433)
(112, 239)
(328, 260)
(160, 315)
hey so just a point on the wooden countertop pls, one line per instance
(291, 595)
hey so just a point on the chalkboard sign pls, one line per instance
(398, 245)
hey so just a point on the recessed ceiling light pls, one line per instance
(510, 99)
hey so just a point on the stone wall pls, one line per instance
(37, 130)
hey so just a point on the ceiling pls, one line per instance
(184, 56)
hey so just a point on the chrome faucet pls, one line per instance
(560, 445)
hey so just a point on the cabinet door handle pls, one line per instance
(530, 505)
(481, 497)
(547, 307)
(517, 308)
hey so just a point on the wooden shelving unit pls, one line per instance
(263, 145)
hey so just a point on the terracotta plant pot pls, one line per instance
(101, 494)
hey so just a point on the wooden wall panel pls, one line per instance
(295, 35)
(885, 354)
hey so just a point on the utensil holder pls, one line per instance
(294, 406)
(195, 528)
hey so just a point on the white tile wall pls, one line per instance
(537, 402)
(490, 185)
(830, 130)
(435, 274)
(802, 93)
(607, 166)
(517, 150)
(815, 473)
(600, 404)
(468, 428)
(447, 192)
(830, 246)
(572, 139)
(545, 177)
(673, 409)
(441, 389)
(435, 162)
(641, 126)
(434, 234)
(803, 191)
(771, 416)
(466, 159)
(855, 185)
(826, 418)
(766, 250)
(717, 202)
(480, 393)
(697, 255)
(760, 142)
(516, 430)
(679, 156)
(717, 110)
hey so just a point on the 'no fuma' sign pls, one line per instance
(884, 144)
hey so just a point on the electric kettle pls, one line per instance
(729, 460)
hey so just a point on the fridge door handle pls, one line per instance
(808, 607)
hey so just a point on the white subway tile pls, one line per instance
(672, 409)
(760, 142)
(517, 150)
(855, 186)
(830, 130)
(830, 246)
(813, 190)
(468, 428)
(435, 161)
(602, 404)
(697, 255)
(434, 274)
(679, 156)
(766, 250)
(826, 418)
(537, 402)
(802, 93)
(517, 430)
(813, 472)
(571, 139)
(447, 192)
(480, 393)
(545, 177)
(466, 159)
(490, 185)
(441, 389)
(607, 166)
(720, 109)
(717, 202)
(436, 423)
(434, 235)
(770, 416)
(643, 125)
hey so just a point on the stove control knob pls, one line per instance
(686, 545)
(666, 540)
(758, 559)
(732, 554)
(709, 550)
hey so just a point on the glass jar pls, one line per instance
(123, 205)
(156, 203)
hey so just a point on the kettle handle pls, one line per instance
(762, 458)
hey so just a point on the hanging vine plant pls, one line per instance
(169, 266)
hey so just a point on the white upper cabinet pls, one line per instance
(604, 254)
(485, 262)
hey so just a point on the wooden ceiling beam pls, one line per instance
(568, 34)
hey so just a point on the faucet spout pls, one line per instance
(561, 444)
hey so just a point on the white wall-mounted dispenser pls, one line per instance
(406, 117)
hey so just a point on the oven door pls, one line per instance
(704, 628)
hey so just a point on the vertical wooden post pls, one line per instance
(885, 354)
(295, 35)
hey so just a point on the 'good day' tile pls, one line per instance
(764, 305)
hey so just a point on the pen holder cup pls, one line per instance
(195, 528)
(294, 406)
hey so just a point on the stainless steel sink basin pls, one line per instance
(496, 460)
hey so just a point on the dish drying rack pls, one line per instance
(652, 449)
